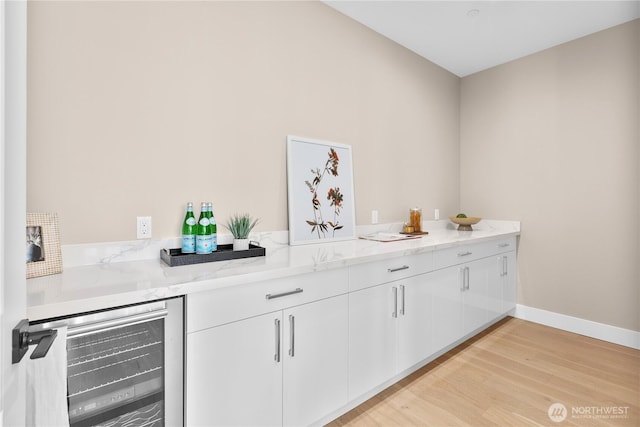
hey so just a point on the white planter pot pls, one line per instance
(240, 244)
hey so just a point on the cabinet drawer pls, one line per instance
(375, 273)
(471, 252)
(504, 245)
(220, 306)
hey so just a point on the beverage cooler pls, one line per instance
(124, 367)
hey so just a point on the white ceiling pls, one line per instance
(465, 37)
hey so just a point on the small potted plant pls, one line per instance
(240, 226)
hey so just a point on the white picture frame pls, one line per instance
(320, 191)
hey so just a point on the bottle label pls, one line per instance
(214, 242)
(204, 222)
(191, 221)
(188, 243)
(203, 244)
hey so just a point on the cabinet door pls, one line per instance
(508, 276)
(233, 374)
(502, 285)
(372, 337)
(475, 295)
(414, 320)
(447, 306)
(315, 344)
(495, 288)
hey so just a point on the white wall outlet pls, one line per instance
(436, 214)
(374, 217)
(143, 227)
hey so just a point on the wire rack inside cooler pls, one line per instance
(115, 368)
(148, 416)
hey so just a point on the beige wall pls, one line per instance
(135, 108)
(553, 140)
(119, 91)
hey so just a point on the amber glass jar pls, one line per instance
(415, 219)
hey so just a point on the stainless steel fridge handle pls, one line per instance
(93, 328)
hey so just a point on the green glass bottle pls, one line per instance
(189, 231)
(203, 232)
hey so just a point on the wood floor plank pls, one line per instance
(510, 375)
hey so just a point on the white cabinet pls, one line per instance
(414, 321)
(372, 337)
(502, 285)
(233, 376)
(285, 367)
(447, 306)
(474, 285)
(363, 276)
(389, 329)
(460, 301)
(495, 288)
(475, 294)
(507, 275)
(315, 341)
(292, 351)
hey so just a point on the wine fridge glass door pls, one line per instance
(117, 375)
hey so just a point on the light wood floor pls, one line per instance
(510, 375)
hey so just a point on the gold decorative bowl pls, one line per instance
(464, 224)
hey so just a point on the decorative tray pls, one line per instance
(175, 257)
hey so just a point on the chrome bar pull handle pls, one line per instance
(394, 314)
(504, 245)
(393, 270)
(277, 355)
(284, 294)
(464, 279)
(95, 328)
(402, 300)
(292, 334)
(467, 253)
(502, 261)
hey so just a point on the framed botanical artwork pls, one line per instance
(320, 191)
(44, 256)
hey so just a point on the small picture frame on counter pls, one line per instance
(43, 253)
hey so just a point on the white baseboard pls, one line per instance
(613, 334)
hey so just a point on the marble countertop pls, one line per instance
(115, 274)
